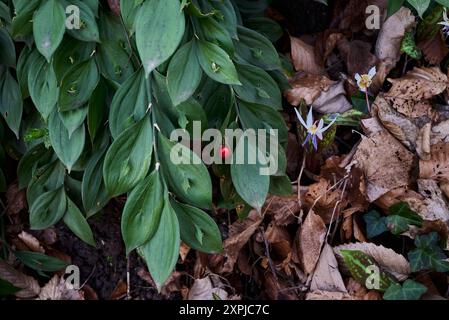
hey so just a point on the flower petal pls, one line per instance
(328, 126)
(310, 118)
(357, 77)
(319, 134)
(372, 72)
(300, 118)
(307, 139)
(315, 142)
(320, 125)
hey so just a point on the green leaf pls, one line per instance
(375, 224)
(22, 24)
(73, 119)
(254, 48)
(89, 28)
(142, 212)
(39, 261)
(420, 5)
(7, 49)
(185, 173)
(34, 157)
(409, 46)
(246, 171)
(227, 16)
(129, 104)
(48, 209)
(410, 290)
(46, 178)
(93, 189)
(166, 21)
(43, 85)
(194, 222)
(428, 255)
(162, 250)
(184, 74)
(394, 5)
(49, 27)
(67, 148)
(258, 87)
(97, 109)
(216, 63)
(76, 222)
(11, 105)
(78, 85)
(129, 10)
(403, 209)
(397, 224)
(280, 186)
(266, 27)
(213, 31)
(2, 182)
(6, 288)
(358, 263)
(128, 159)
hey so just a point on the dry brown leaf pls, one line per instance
(15, 199)
(326, 295)
(207, 289)
(437, 168)
(440, 133)
(303, 57)
(398, 125)
(31, 242)
(120, 290)
(434, 49)
(327, 276)
(310, 240)
(307, 87)
(357, 55)
(423, 142)
(30, 287)
(57, 289)
(415, 88)
(283, 209)
(239, 234)
(280, 243)
(388, 46)
(385, 162)
(183, 251)
(436, 207)
(389, 260)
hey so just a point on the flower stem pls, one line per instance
(367, 101)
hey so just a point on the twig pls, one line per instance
(267, 251)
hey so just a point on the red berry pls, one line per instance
(225, 152)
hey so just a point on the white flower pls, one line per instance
(445, 23)
(364, 81)
(314, 131)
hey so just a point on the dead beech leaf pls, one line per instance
(31, 242)
(307, 87)
(183, 251)
(57, 289)
(283, 209)
(398, 125)
(206, 289)
(436, 207)
(437, 168)
(423, 142)
(280, 243)
(417, 86)
(303, 57)
(389, 260)
(388, 46)
(434, 49)
(357, 55)
(120, 290)
(327, 277)
(30, 287)
(385, 162)
(310, 241)
(239, 234)
(15, 199)
(327, 295)
(440, 133)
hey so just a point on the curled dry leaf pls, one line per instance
(388, 46)
(435, 206)
(389, 260)
(15, 199)
(327, 295)
(239, 234)
(280, 243)
(437, 168)
(207, 289)
(327, 277)
(398, 125)
(385, 162)
(423, 142)
(30, 287)
(303, 57)
(284, 210)
(310, 240)
(414, 89)
(434, 49)
(440, 133)
(31, 242)
(57, 289)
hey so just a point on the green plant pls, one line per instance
(92, 110)
(420, 6)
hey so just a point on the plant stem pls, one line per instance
(367, 101)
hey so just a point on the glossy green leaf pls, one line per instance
(11, 105)
(48, 209)
(375, 224)
(77, 223)
(78, 85)
(185, 173)
(410, 290)
(49, 27)
(67, 148)
(162, 250)
(88, 30)
(166, 21)
(37, 155)
(130, 103)
(44, 179)
(129, 157)
(184, 74)
(7, 289)
(43, 86)
(428, 255)
(96, 110)
(198, 230)
(22, 24)
(40, 262)
(142, 212)
(7, 49)
(129, 10)
(420, 5)
(73, 119)
(216, 63)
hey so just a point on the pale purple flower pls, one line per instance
(445, 23)
(314, 131)
(364, 81)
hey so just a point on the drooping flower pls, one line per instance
(314, 131)
(364, 81)
(445, 23)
